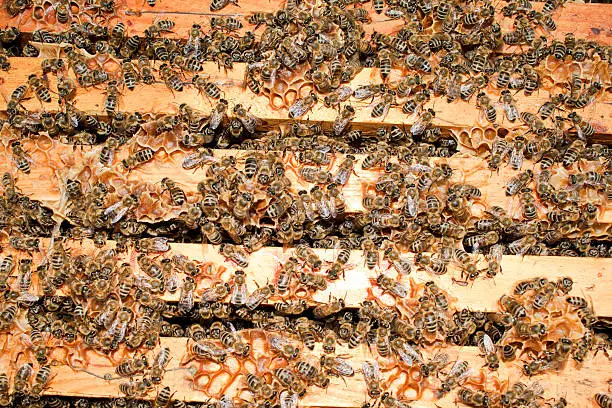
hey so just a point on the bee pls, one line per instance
(456, 375)
(343, 119)
(407, 353)
(518, 182)
(225, 23)
(572, 153)
(201, 157)
(232, 340)
(24, 243)
(473, 398)
(177, 195)
(208, 350)
(131, 366)
(284, 347)
(304, 328)
(112, 96)
(512, 306)
(40, 88)
(172, 80)
(509, 105)
(583, 128)
(358, 333)
(259, 296)
(419, 126)
(369, 91)
(118, 210)
(338, 96)
(302, 105)
(485, 105)
(140, 157)
(603, 400)
(22, 378)
(328, 309)
(549, 107)
(382, 108)
(434, 365)
(145, 69)
(216, 5)
(487, 347)
(371, 374)
(392, 286)
(248, 120)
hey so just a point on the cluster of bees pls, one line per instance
(114, 305)
(98, 301)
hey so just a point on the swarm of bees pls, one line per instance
(98, 300)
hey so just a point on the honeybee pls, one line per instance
(172, 80)
(487, 347)
(382, 108)
(407, 353)
(423, 121)
(392, 286)
(371, 374)
(509, 105)
(138, 158)
(456, 375)
(284, 347)
(21, 158)
(118, 210)
(39, 87)
(343, 119)
(302, 105)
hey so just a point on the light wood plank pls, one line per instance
(588, 275)
(589, 21)
(158, 99)
(576, 385)
(55, 162)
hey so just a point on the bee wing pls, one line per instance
(412, 206)
(276, 342)
(456, 367)
(215, 119)
(119, 215)
(344, 92)
(339, 124)
(464, 375)
(27, 297)
(405, 357)
(193, 160)
(342, 367)
(516, 157)
(488, 344)
(440, 358)
(417, 127)
(112, 208)
(370, 370)
(496, 251)
(511, 112)
(159, 244)
(536, 388)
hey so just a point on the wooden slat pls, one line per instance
(157, 98)
(587, 273)
(60, 162)
(576, 385)
(589, 21)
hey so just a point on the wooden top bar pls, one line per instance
(54, 162)
(588, 21)
(158, 99)
(587, 273)
(577, 386)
